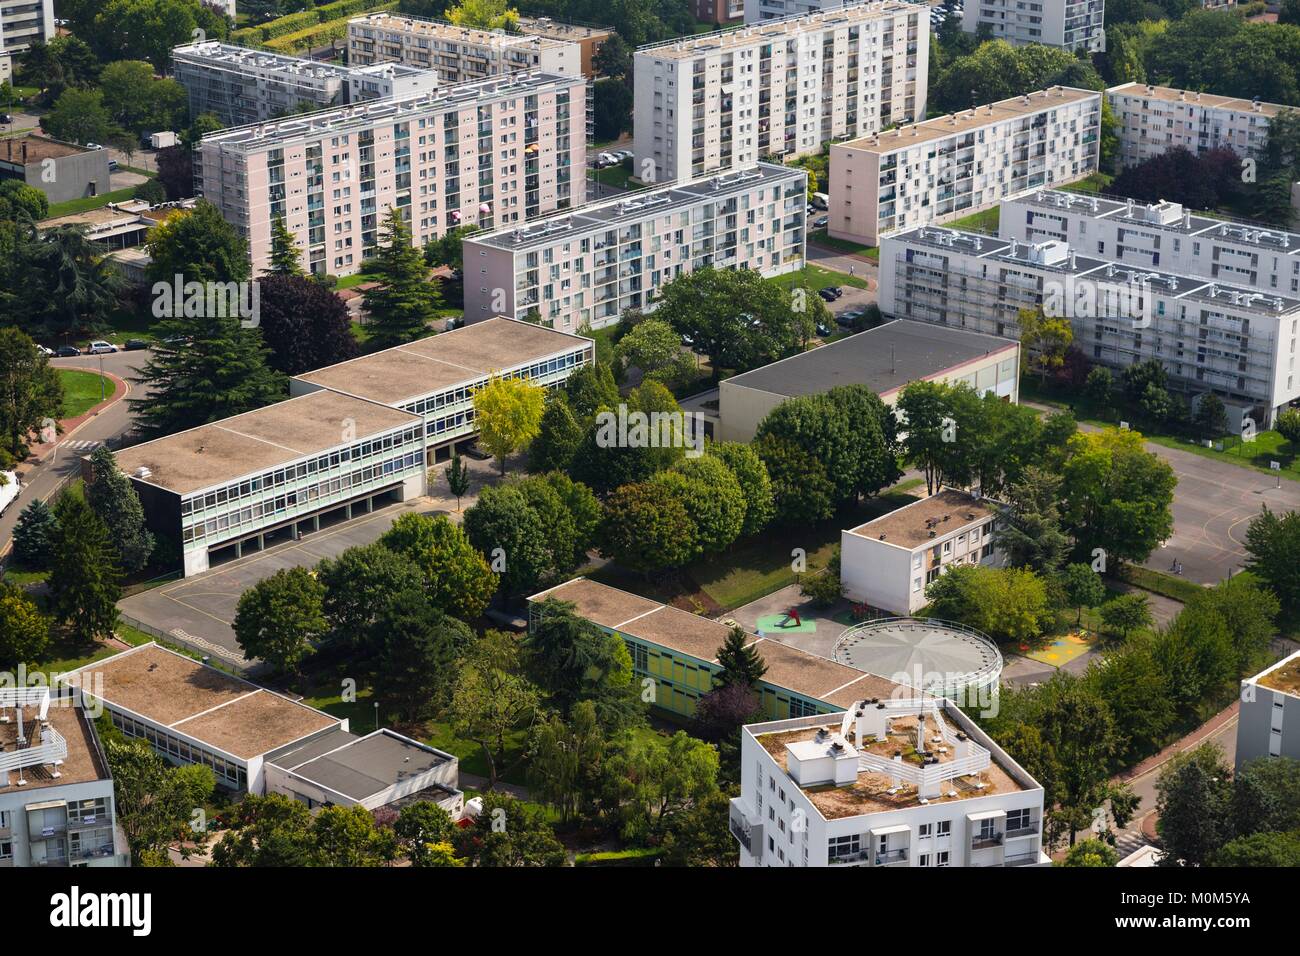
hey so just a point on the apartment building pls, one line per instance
(590, 38)
(1068, 24)
(241, 86)
(56, 790)
(1151, 120)
(257, 741)
(884, 359)
(757, 11)
(836, 790)
(590, 266)
(721, 12)
(458, 54)
(888, 562)
(1234, 340)
(781, 88)
(1161, 235)
(955, 165)
(22, 23)
(488, 153)
(1269, 722)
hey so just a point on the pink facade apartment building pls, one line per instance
(490, 153)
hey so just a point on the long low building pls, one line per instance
(352, 436)
(1233, 340)
(257, 478)
(489, 153)
(952, 166)
(239, 85)
(434, 378)
(590, 266)
(257, 741)
(1269, 721)
(883, 359)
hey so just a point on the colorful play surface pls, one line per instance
(1061, 650)
(780, 624)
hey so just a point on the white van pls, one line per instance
(8, 489)
(821, 200)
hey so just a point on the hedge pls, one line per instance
(305, 21)
(641, 856)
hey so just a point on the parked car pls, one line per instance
(6, 118)
(478, 454)
(821, 222)
(93, 146)
(44, 350)
(100, 347)
(606, 159)
(112, 166)
(67, 351)
(623, 154)
(135, 345)
(826, 295)
(847, 319)
(823, 328)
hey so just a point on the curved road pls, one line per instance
(109, 425)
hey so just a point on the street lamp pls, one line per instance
(102, 380)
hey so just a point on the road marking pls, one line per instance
(81, 445)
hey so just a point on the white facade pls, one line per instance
(778, 819)
(1161, 235)
(951, 166)
(1068, 24)
(1269, 717)
(1234, 340)
(889, 562)
(241, 86)
(591, 265)
(784, 89)
(458, 54)
(757, 11)
(1151, 120)
(22, 23)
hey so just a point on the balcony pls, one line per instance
(891, 857)
(986, 841)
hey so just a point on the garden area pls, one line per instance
(82, 391)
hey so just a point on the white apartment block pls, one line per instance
(835, 790)
(1151, 120)
(1161, 235)
(1234, 340)
(777, 89)
(890, 561)
(22, 23)
(757, 11)
(1269, 723)
(951, 166)
(1068, 24)
(56, 791)
(458, 54)
(241, 86)
(590, 266)
(490, 153)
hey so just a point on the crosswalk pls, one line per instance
(1128, 841)
(79, 445)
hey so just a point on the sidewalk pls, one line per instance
(69, 426)
(1190, 742)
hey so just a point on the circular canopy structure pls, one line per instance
(939, 657)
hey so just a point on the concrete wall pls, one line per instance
(1262, 712)
(74, 177)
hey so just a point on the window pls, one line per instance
(1018, 820)
(945, 828)
(925, 830)
(843, 848)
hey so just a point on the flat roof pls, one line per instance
(452, 31)
(38, 148)
(946, 512)
(1284, 676)
(870, 793)
(1170, 94)
(562, 29)
(184, 695)
(81, 765)
(903, 137)
(362, 766)
(425, 366)
(1057, 256)
(883, 359)
(634, 207)
(217, 55)
(259, 440)
(817, 678)
(778, 29)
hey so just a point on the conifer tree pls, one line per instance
(401, 306)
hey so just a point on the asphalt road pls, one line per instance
(42, 480)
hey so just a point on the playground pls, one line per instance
(1059, 651)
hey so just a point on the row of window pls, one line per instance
(228, 772)
(463, 393)
(284, 476)
(258, 511)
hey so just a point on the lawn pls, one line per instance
(348, 282)
(74, 206)
(1096, 183)
(616, 176)
(820, 238)
(985, 220)
(816, 278)
(82, 391)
